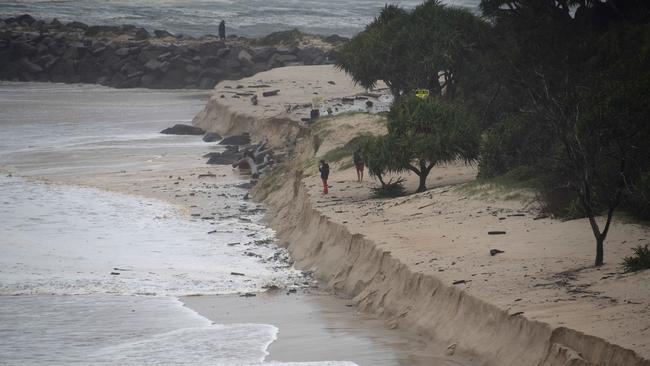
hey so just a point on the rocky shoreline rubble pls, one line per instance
(130, 57)
(239, 151)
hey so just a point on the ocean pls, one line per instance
(199, 17)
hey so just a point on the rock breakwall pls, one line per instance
(129, 57)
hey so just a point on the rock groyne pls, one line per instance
(129, 57)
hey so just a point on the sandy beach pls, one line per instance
(540, 301)
(313, 325)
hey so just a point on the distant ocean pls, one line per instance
(199, 17)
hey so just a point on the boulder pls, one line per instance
(262, 53)
(25, 19)
(160, 33)
(29, 67)
(335, 38)
(77, 25)
(181, 129)
(223, 52)
(212, 72)
(123, 52)
(245, 58)
(212, 137)
(154, 65)
(236, 140)
(207, 83)
(310, 54)
(230, 64)
(148, 81)
(141, 34)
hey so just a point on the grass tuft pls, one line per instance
(640, 260)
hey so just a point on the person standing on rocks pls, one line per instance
(222, 30)
(358, 163)
(324, 170)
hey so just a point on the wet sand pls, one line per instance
(317, 326)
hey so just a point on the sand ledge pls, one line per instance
(381, 284)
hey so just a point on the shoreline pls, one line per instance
(193, 195)
(382, 276)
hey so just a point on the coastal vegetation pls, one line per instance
(555, 90)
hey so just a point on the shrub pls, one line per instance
(638, 261)
(390, 189)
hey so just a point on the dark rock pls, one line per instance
(160, 33)
(310, 54)
(245, 58)
(212, 137)
(154, 65)
(231, 64)
(494, 252)
(122, 52)
(236, 140)
(95, 30)
(141, 34)
(262, 54)
(212, 72)
(223, 52)
(335, 38)
(207, 83)
(148, 81)
(28, 66)
(77, 25)
(181, 129)
(25, 19)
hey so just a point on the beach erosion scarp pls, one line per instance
(376, 261)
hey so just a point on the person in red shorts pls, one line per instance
(358, 163)
(324, 170)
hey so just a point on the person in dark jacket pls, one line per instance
(222, 30)
(324, 170)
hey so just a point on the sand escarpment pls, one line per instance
(464, 325)
(380, 284)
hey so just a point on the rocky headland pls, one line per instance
(130, 57)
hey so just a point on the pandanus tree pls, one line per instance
(421, 134)
(431, 47)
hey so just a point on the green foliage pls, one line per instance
(289, 37)
(421, 134)
(432, 46)
(390, 189)
(638, 261)
(433, 131)
(346, 150)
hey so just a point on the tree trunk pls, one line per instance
(423, 183)
(600, 240)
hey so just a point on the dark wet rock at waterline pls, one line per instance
(212, 137)
(181, 129)
(236, 140)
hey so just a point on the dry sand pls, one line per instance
(542, 294)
